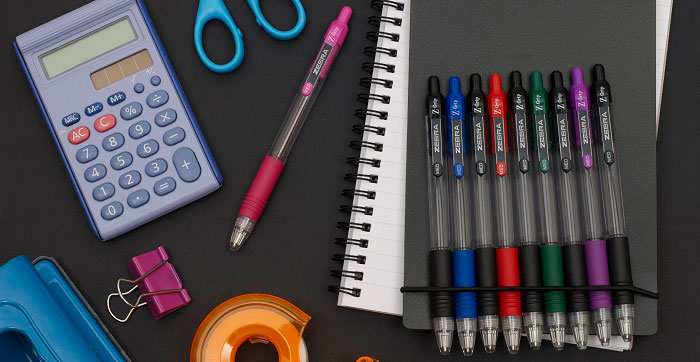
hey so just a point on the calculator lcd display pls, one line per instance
(88, 47)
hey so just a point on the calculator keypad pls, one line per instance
(112, 210)
(96, 172)
(138, 198)
(174, 136)
(131, 111)
(147, 148)
(79, 135)
(103, 192)
(165, 117)
(105, 123)
(129, 179)
(186, 164)
(164, 186)
(139, 129)
(121, 161)
(156, 167)
(157, 98)
(86, 154)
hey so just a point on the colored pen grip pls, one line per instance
(464, 276)
(620, 268)
(259, 192)
(551, 258)
(597, 272)
(575, 276)
(441, 303)
(508, 276)
(530, 276)
(486, 276)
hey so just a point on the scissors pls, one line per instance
(216, 10)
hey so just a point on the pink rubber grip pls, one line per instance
(265, 181)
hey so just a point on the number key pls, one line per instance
(129, 179)
(139, 129)
(156, 167)
(121, 161)
(96, 172)
(103, 192)
(112, 210)
(113, 141)
(147, 148)
(86, 154)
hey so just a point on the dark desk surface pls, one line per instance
(289, 256)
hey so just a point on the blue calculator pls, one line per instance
(117, 113)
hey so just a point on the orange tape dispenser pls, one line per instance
(257, 318)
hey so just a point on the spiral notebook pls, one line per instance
(372, 271)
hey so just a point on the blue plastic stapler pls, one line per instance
(43, 317)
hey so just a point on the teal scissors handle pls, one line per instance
(210, 10)
(274, 32)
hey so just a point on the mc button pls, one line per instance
(78, 135)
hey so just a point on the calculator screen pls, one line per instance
(88, 47)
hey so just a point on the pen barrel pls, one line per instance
(530, 276)
(620, 268)
(575, 276)
(464, 276)
(597, 272)
(486, 276)
(441, 303)
(259, 192)
(508, 276)
(551, 257)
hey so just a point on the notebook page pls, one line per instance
(383, 268)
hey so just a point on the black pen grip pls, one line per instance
(575, 276)
(530, 276)
(620, 268)
(486, 276)
(441, 303)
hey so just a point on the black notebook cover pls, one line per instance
(463, 37)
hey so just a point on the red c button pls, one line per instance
(78, 135)
(105, 123)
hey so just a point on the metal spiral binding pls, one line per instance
(365, 98)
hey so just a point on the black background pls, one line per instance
(289, 255)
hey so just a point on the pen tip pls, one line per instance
(577, 76)
(455, 85)
(433, 85)
(557, 80)
(598, 72)
(475, 82)
(536, 80)
(345, 14)
(516, 79)
(495, 83)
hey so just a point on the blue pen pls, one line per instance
(463, 255)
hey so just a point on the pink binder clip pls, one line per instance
(157, 281)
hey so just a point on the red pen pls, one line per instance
(506, 253)
(272, 165)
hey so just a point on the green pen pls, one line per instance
(550, 250)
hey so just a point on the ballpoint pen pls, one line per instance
(485, 253)
(463, 255)
(596, 253)
(525, 229)
(440, 258)
(506, 253)
(573, 254)
(272, 165)
(616, 239)
(550, 250)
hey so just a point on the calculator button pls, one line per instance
(121, 161)
(131, 111)
(164, 186)
(138, 87)
(86, 154)
(174, 136)
(105, 123)
(139, 129)
(103, 192)
(71, 119)
(147, 148)
(138, 198)
(96, 172)
(112, 210)
(78, 135)
(113, 141)
(156, 167)
(186, 164)
(155, 80)
(129, 179)
(157, 98)
(93, 109)
(116, 98)
(165, 117)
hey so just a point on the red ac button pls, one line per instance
(105, 123)
(78, 135)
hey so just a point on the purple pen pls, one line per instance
(594, 229)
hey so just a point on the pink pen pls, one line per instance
(271, 167)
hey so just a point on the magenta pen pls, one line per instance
(594, 230)
(272, 165)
